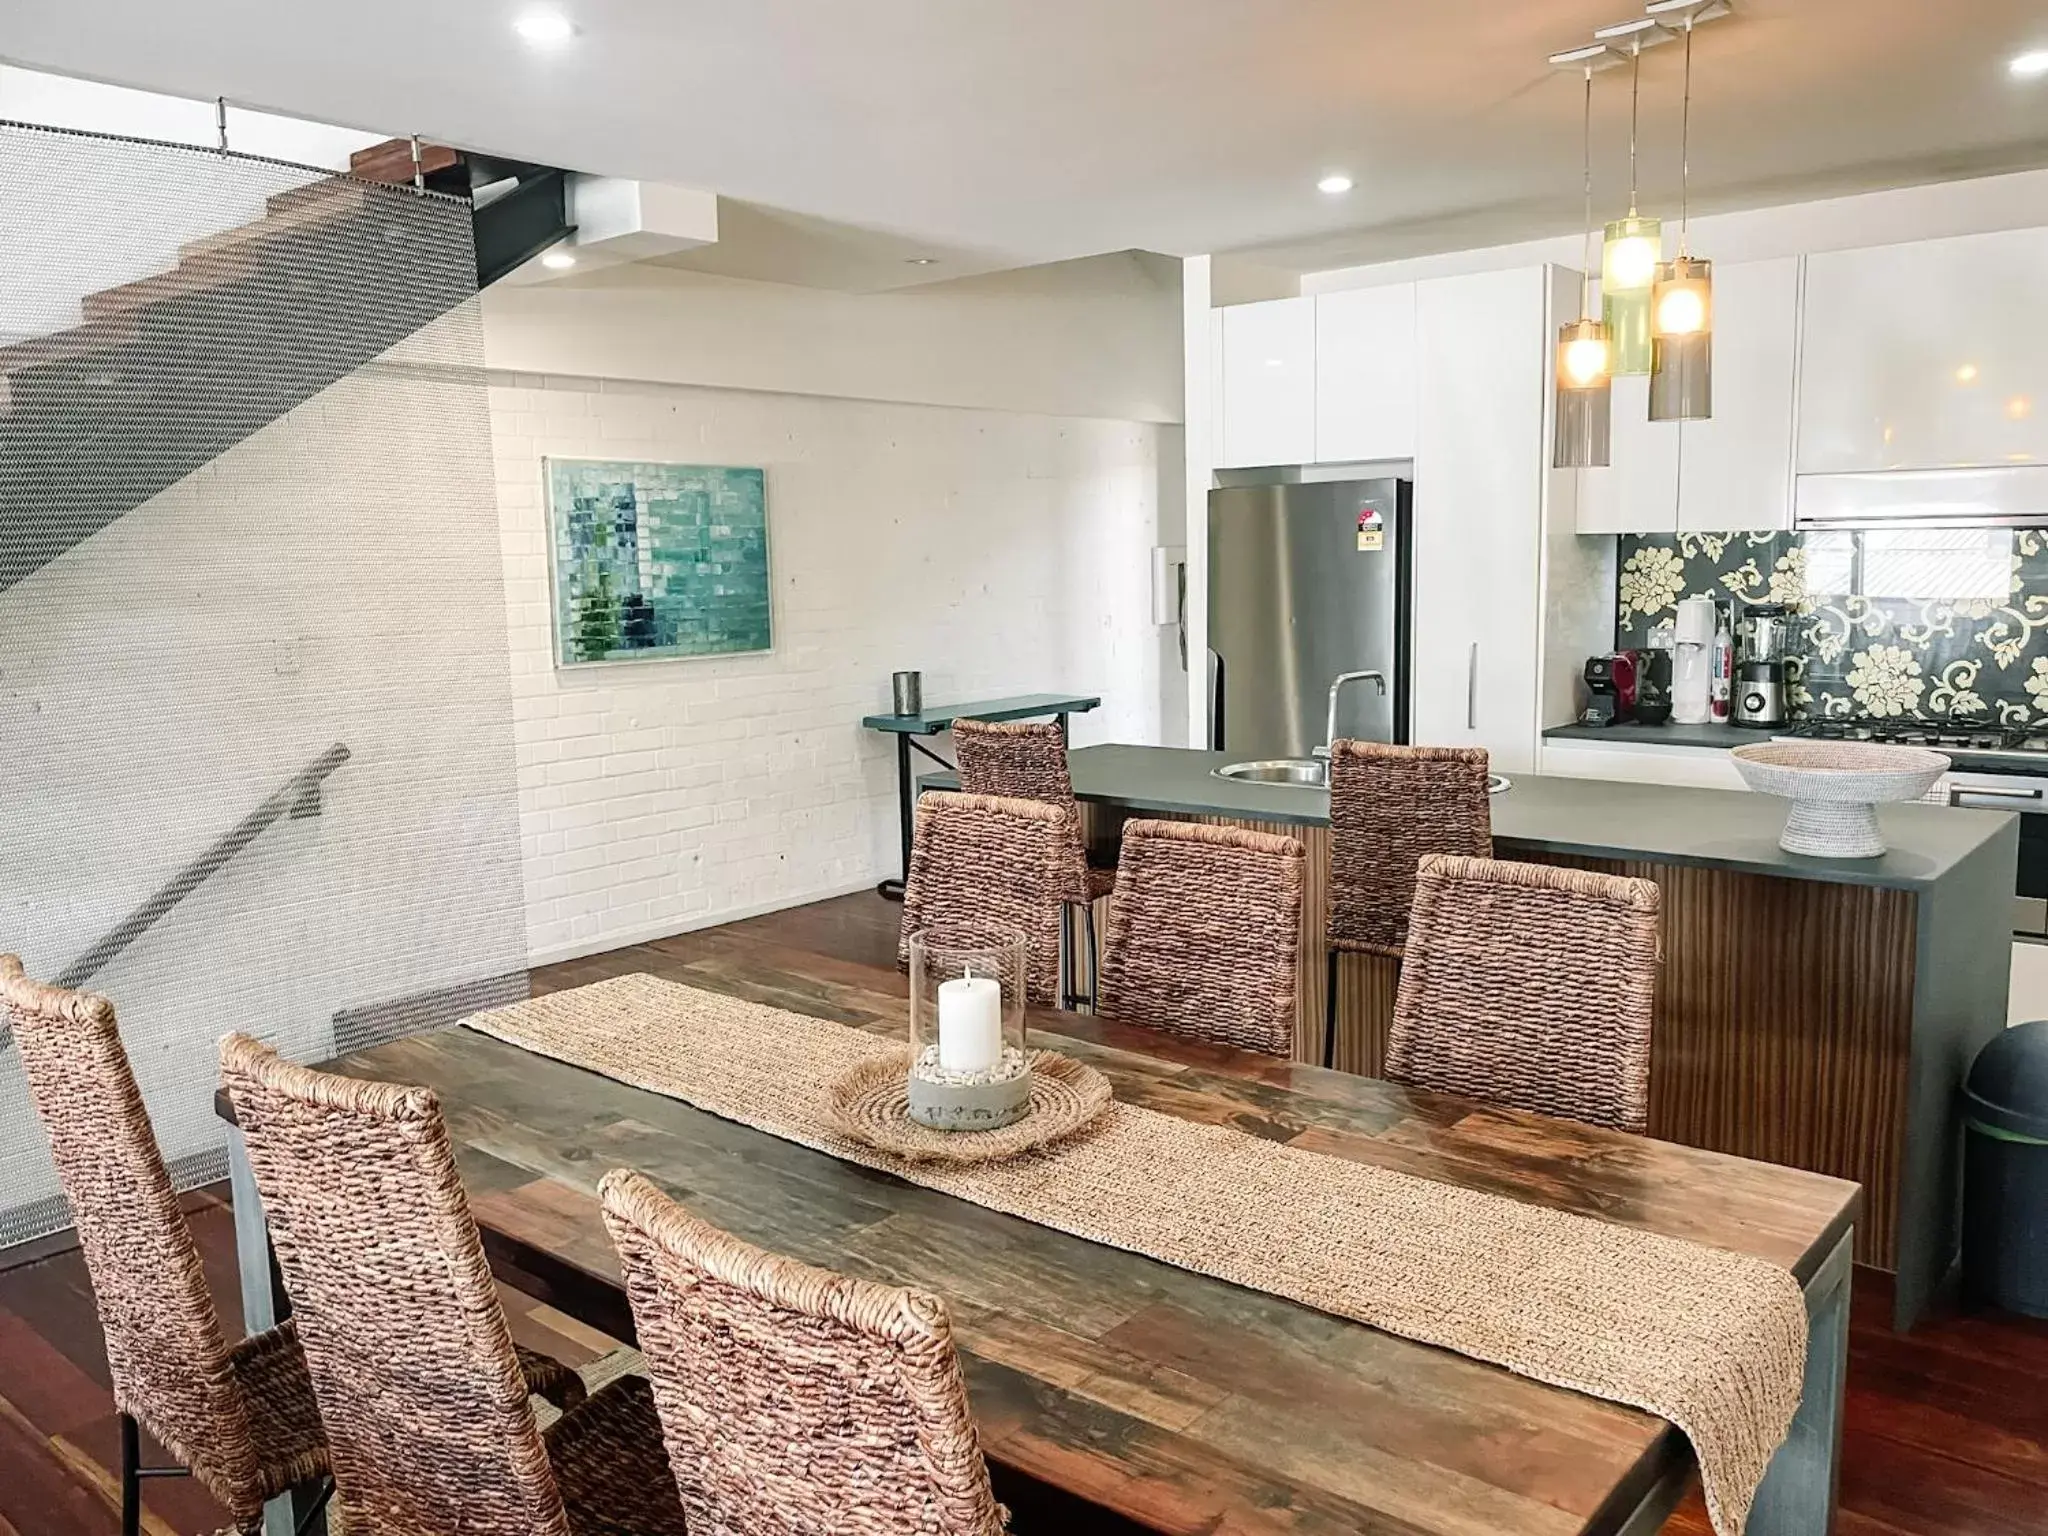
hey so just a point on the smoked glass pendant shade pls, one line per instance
(1628, 268)
(1682, 341)
(1584, 427)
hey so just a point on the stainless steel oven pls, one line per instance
(2027, 794)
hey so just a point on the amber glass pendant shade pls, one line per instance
(1583, 432)
(1628, 269)
(1682, 341)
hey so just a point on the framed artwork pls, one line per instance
(656, 560)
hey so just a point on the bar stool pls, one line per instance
(979, 861)
(1390, 806)
(1532, 986)
(1204, 934)
(1028, 761)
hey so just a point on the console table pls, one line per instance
(940, 717)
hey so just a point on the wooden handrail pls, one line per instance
(297, 796)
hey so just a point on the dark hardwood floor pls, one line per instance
(1947, 1428)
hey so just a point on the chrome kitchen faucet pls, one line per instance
(1336, 689)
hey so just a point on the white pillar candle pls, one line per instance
(970, 1023)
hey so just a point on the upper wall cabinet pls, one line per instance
(1925, 356)
(1268, 398)
(1365, 374)
(1638, 490)
(1734, 470)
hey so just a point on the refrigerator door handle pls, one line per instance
(1472, 689)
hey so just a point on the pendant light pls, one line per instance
(1682, 301)
(1633, 250)
(1583, 426)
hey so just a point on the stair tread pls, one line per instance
(350, 196)
(210, 262)
(391, 161)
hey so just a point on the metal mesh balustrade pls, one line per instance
(247, 517)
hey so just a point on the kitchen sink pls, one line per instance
(1312, 773)
(1301, 772)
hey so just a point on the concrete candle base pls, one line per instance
(951, 1101)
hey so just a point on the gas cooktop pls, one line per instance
(1973, 737)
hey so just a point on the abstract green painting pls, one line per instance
(657, 560)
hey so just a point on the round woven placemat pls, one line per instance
(871, 1104)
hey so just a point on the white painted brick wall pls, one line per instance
(997, 553)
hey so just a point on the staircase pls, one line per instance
(168, 373)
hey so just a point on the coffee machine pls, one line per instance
(1763, 637)
(1611, 680)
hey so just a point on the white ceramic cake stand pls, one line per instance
(1835, 788)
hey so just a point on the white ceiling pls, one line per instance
(1005, 132)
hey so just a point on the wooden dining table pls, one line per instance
(1108, 1382)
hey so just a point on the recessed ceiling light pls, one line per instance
(544, 29)
(2031, 65)
(1967, 374)
(921, 261)
(1336, 184)
(560, 261)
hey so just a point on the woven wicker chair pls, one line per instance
(1205, 934)
(1027, 760)
(1531, 986)
(977, 863)
(1389, 806)
(239, 1418)
(796, 1400)
(412, 1364)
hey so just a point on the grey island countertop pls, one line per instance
(1596, 818)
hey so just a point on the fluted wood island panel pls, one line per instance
(1818, 1013)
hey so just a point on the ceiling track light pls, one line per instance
(1636, 34)
(1631, 258)
(1678, 12)
(1662, 21)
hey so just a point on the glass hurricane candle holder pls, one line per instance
(969, 1070)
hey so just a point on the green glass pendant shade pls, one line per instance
(1628, 268)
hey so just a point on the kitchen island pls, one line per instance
(1813, 1012)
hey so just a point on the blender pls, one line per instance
(1764, 637)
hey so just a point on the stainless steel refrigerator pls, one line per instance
(1307, 582)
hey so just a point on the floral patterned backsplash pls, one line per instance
(1865, 647)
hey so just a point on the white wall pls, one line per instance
(1099, 337)
(998, 549)
(2017, 201)
(333, 578)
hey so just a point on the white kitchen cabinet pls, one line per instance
(1637, 490)
(1483, 356)
(1365, 374)
(1735, 468)
(1268, 402)
(1929, 355)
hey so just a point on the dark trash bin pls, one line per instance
(2005, 1172)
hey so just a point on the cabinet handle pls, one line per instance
(1472, 690)
(1993, 799)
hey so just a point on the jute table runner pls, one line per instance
(1713, 1341)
